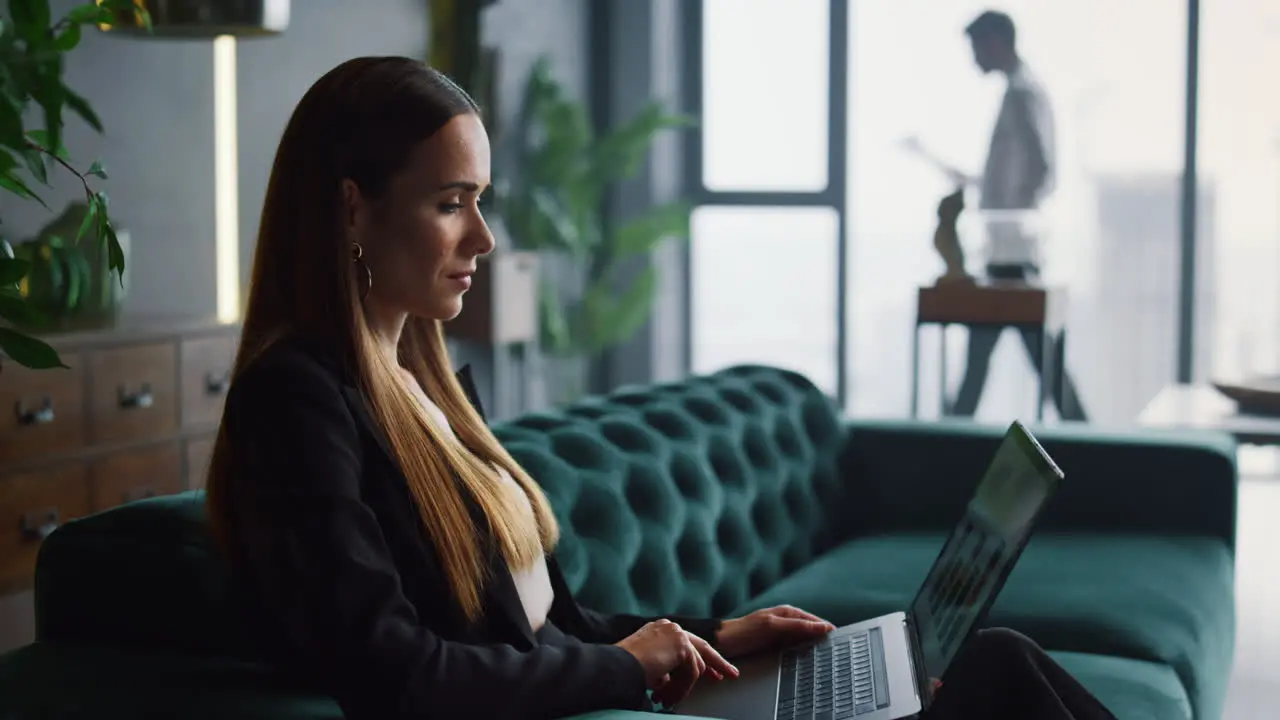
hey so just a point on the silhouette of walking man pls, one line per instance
(1017, 177)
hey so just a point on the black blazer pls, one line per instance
(343, 584)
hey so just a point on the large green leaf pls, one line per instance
(81, 107)
(43, 139)
(641, 235)
(31, 19)
(619, 154)
(11, 135)
(551, 227)
(90, 219)
(13, 270)
(28, 351)
(68, 38)
(556, 202)
(16, 185)
(614, 317)
(90, 14)
(557, 339)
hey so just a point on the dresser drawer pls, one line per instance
(134, 475)
(41, 411)
(206, 374)
(32, 505)
(199, 450)
(133, 392)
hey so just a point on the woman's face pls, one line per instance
(421, 241)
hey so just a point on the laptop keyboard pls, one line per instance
(836, 679)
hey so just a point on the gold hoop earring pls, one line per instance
(357, 257)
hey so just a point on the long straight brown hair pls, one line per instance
(360, 122)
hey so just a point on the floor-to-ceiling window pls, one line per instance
(767, 173)
(767, 236)
(1239, 160)
(1115, 75)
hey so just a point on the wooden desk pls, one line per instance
(1201, 407)
(134, 416)
(1029, 308)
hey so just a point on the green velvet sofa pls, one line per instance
(714, 495)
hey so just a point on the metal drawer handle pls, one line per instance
(38, 526)
(215, 384)
(141, 399)
(42, 415)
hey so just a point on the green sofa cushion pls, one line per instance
(154, 577)
(685, 498)
(1131, 689)
(1161, 599)
(74, 682)
(690, 497)
(713, 496)
(78, 682)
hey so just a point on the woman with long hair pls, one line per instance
(390, 551)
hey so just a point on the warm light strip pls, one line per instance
(226, 181)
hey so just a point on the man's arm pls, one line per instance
(1028, 115)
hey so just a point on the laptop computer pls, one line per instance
(881, 669)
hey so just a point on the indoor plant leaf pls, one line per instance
(29, 351)
(641, 235)
(555, 335)
(613, 317)
(563, 233)
(12, 270)
(618, 154)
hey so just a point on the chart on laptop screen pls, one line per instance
(985, 541)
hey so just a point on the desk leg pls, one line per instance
(915, 371)
(1046, 369)
(1060, 376)
(943, 410)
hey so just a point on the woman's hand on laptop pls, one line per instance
(673, 659)
(769, 629)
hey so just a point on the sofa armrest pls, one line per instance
(918, 476)
(61, 681)
(70, 682)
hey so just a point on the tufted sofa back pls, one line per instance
(689, 497)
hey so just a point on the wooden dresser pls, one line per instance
(134, 417)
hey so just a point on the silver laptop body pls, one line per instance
(881, 669)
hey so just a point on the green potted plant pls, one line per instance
(33, 47)
(593, 298)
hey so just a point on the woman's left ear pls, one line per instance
(352, 203)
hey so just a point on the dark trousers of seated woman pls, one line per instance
(982, 342)
(1002, 675)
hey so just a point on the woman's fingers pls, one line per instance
(684, 676)
(798, 626)
(682, 681)
(795, 612)
(713, 661)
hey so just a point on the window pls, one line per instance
(767, 242)
(1238, 153)
(764, 109)
(766, 289)
(1115, 75)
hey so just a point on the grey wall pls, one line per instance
(155, 99)
(274, 73)
(641, 61)
(509, 379)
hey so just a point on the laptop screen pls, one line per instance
(975, 561)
